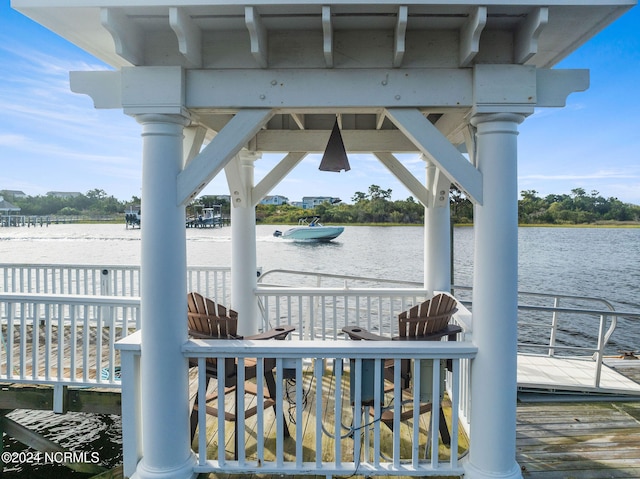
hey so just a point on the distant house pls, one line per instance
(275, 200)
(63, 194)
(13, 194)
(7, 208)
(309, 202)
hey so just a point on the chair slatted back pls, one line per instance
(428, 317)
(206, 318)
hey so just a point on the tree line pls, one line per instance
(93, 202)
(374, 206)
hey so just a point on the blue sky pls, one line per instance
(52, 139)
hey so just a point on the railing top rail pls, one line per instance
(322, 349)
(100, 266)
(537, 294)
(83, 299)
(68, 266)
(295, 291)
(600, 312)
(335, 276)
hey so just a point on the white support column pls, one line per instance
(243, 246)
(437, 232)
(166, 451)
(495, 300)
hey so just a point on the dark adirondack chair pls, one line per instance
(427, 321)
(208, 320)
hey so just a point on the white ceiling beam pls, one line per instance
(405, 177)
(227, 143)
(399, 37)
(315, 141)
(526, 41)
(127, 36)
(189, 36)
(327, 36)
(439, 150)
(276, 175)
(258, 36)
(470, 35)
(329, 88)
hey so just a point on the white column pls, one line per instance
(495, 299)
(437, 232)
(166, 447)
(243, 250)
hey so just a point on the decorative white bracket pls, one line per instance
(526, 41)
(470, 36)
(189, 36)
(399, 37)
(327, 36)
(127, 38)
(257, 34)
(194, 137)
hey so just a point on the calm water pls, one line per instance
(594, 262)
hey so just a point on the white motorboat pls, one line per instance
(311, 231)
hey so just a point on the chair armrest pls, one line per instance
(356, 332)
(281, 332)
(199, 335)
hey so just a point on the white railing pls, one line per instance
(64, 339)
(321, 313)
(360, 450)
(105, 280)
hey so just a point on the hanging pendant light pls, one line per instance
(335, 156)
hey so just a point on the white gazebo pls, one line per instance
(215, 84)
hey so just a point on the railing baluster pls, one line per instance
(221, 422)
(202, 413)
(259, 401)
(11, 310)
(240, 408)
(357, 409)
(455, 406)
(417, 385)
(378, 383)
(435, 411)
(86, 331)
(23, 341)
(61, 342)
(319, 366)
(338, 365)
(73, 343)
(279, 415)
(35, 346)
(299, 408)
(397, 403)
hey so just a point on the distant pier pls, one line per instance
(24, 220)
